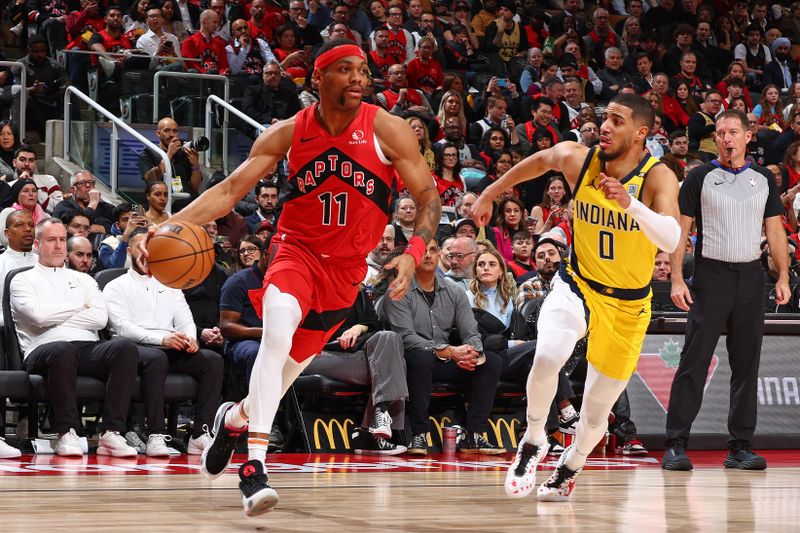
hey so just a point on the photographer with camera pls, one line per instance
(186, 176)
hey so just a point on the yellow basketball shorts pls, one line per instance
(616, 328)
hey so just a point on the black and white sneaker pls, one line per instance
(555, 446)
(365, 443)
(475, 443)
(381, 424)
(217, 455)
(257, 496)
(419, 444)
(521, 476)
(560, 484)
(567, 426)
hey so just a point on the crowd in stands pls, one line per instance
(481, 83)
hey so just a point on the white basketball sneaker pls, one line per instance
(561, 483)
(7, 451)
(69, 445)
(521, 476)
(113, 444)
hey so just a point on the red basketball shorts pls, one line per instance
(325, 288)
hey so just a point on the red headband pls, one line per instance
(334, 54)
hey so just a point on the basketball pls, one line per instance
(180, 255)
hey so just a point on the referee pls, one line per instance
(729, 199)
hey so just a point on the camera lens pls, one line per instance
(200, 144)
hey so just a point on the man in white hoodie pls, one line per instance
(158, 319)
(58, 313)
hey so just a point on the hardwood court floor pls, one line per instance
(342, 494)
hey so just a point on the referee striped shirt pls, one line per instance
(729, 207)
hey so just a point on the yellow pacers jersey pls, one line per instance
(610, 251)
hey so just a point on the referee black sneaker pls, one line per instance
(257, 496)
(741, 456)
(217, 455)
(675, 458)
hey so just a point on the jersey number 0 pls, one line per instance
(328, 199)
(606, 245)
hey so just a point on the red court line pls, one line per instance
(39, 465)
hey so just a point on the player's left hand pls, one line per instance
(481, 210)
(614, 190)
(782, 291)
(404, 264)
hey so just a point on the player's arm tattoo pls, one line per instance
(429, 214)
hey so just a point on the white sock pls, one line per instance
(236, 418)
(257, 449)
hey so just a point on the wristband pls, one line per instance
(195, 169)
(416, 249)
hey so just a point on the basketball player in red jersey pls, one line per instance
(342, 157)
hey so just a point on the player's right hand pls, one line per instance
(404, 263)
(681, 296)
(481, 210)
(141, 259)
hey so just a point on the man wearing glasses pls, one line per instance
(401, 43)
(86, 198)
(701, 126)
(463, 252)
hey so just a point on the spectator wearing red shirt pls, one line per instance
(380, 59)
(263, 24)
(209, 50)
(81, 26)
(424, 72)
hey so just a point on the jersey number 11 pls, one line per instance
(328, 199)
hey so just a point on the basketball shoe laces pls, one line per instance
(526, 454)
(563, 475)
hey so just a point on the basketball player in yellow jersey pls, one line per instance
(626, 207)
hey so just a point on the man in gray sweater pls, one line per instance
(432, 313)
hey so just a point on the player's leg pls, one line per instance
(281, 316)
(599, 396)
(562, 321)
(273, 373)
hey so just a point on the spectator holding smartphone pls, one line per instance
(162, 47)
(113, 250)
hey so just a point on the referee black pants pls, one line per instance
(729, 295)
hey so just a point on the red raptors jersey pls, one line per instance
(337, 201)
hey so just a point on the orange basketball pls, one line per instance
(180, 255)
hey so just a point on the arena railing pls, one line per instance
(23, 95)
(210, 101)
(189, 75)
(116, 123)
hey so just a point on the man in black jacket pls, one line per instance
(84, 197)
(270, 101)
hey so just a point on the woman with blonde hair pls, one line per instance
(425, 148)
(491, 288)
(452, 105)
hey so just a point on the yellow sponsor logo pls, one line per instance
(510, 430)
(439, 426)
(328, 427)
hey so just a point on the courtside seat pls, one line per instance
(323, 385)
(178, 388)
